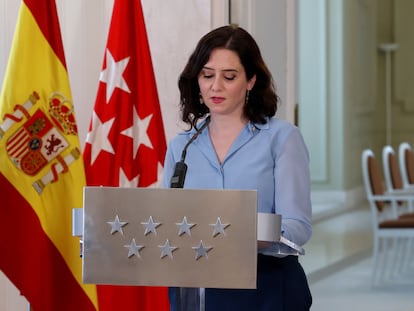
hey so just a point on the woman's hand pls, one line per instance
(263, 244)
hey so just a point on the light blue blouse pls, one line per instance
(271, 158)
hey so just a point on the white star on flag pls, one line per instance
(125, 182)
(112, 75)
(98, 137)
(139, 132)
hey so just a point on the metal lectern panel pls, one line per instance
(170, 237)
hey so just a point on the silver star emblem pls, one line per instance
(185, 227)
(167, 249)
(219, 227)
(117, 225)
(134, 249)
(151, 226)
(201, 250)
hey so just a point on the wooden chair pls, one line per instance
(393, 180)
(388, 228)
(392, 171)
(406, 163)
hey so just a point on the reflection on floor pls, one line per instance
(338, 265)
(337, 238)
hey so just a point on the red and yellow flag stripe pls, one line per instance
(39, 190)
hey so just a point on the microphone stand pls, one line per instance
(191, 296)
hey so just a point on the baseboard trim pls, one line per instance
(331, 203)
(340, 265)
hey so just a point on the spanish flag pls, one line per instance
(41, 167)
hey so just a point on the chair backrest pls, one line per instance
(373, 179)
(406, 162)
(392, 173)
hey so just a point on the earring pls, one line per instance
(247, 96)
(201, 99)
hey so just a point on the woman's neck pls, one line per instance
(223, 132)
(226, 124)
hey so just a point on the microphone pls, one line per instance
(180, 170)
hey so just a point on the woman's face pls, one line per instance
(223, 83)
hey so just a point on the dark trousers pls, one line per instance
(281, 286)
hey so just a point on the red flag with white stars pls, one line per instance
(126, 144)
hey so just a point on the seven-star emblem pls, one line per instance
(167, 249)
(185, 227)
(219, 227)
(151, 226)
(134, 249)
(201, 250)
(117, 225)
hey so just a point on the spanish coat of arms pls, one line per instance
(40, 139)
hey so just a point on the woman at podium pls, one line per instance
(233, 141)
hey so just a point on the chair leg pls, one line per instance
(375, 260)
(403, 268)
(392, 259)
(402, 255)
(408, 259)
(410, 207)
(384, 254)
(396, 256)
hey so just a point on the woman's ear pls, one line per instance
(251, 82)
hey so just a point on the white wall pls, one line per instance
(273, 24)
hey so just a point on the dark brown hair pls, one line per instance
(263, 99)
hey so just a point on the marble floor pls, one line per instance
(338, 264)
(337, 238)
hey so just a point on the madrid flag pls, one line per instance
(41, 168)
(125, 145)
